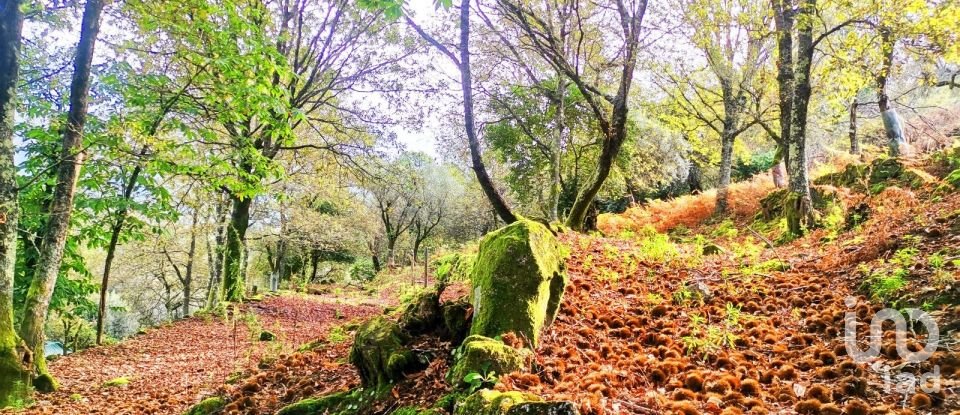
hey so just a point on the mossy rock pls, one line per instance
(379, 353)
(311, 406)
(518, 281)
(773, 206)
(207, 406)
(454, 267)
(266, 336)
(854, 176)
(885, 168)
(544, 408)
(711, 248)
(490, 402)
(423, 314)
(952, 181)
(121, 381)
(457, 315)
(44, 383)
(483, 355)
(916, 178)
(350, 402)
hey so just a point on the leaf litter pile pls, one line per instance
(647, 330)
(170, 368)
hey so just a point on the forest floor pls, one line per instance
(650, 323)
(169, 368)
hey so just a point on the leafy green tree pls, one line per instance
(284, 87)
(12, 362)
(60, 209)
(544, 29)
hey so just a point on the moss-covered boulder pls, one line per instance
(484, 355)
(454, 267)
(518, 281)
(457, 315)
(379, 353)
(207, 406)
(489, 402)
(774, 205)
(311, 406)
(350, 402)
(266, 336)
(885, 168)
(422, 314)
(544, 408)
(44, 383)
(854, 175)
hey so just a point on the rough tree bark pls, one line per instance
(476, 154)
(854, 141)
(233, 261)
(58, 224)
(891, 120)
(793, 80)
(12, 364)
(215, 255)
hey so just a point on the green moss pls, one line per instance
(489, 402)
(885, 168)
(854, 176)
(952, 180)
(544, 408)
(379, 354)
(266, 336)
(518, 280)
(456, 319)
(121, 381)
(484, 355)
(14, 388)
(454, 267)
(412, 410)
(349, 402)
(207, 406)
(422, 314)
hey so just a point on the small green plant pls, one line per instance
(337, 335)
(654, 298)
(726, 229)
(884, 286)
(936, 261)
(658, 248)
(477, 381)
(683, 294)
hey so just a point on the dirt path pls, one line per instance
(172, 367)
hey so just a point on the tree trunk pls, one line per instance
(803, 216)
(891, 121)
(112, 250)
(191, 256)
(233, 261)
(854, 141)
(215, 256)
(476, 156)
(578, 212)
(12, 370)
(726, 165)
(55, 234)
(557, 148)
